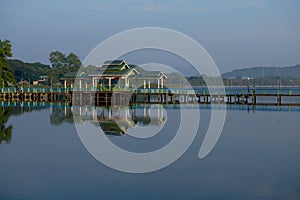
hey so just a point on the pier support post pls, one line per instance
(279, 99)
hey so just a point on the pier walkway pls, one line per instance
(93, 96)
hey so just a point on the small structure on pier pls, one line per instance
(117, 73)
(148, 78)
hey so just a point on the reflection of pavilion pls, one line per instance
(112, 120)
(147, 115)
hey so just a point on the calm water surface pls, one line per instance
(256, 157)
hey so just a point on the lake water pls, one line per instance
(256, 156)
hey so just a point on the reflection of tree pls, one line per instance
(6, 112)
(142, 120)
(110, 127)
(5, 132)
(107, 118)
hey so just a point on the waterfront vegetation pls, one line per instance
(16, 73)
(26, 73)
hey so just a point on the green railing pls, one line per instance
(183, 91)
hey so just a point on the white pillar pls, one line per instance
(162, 82)
(65, 84)
(126, 114)
(126, 81)
(144, 84)
(158, 83)
(80, 84)
(149, 84)
(109, 113)
(93, 82)
(94, 113)
(109, 83)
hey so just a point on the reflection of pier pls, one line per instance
(150, 96)
(112, 120)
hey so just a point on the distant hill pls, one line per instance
(28, 71)
(265, 72)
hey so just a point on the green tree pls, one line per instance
(57, 59)
(62, 64)
(6, 73)
(73, 62)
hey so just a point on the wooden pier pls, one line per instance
(147, 96)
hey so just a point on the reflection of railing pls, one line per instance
(109, 113)
(36, 90)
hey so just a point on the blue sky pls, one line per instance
(236, 33)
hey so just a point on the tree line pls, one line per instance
(13, 71)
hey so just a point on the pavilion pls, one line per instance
(117, 73)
